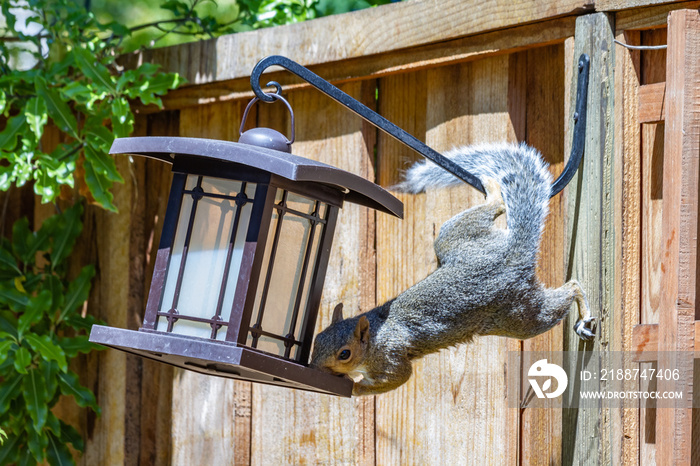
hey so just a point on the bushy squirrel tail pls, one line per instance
(523, 175)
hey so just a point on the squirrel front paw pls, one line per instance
(585, 328)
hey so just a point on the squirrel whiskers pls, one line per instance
(485, 283)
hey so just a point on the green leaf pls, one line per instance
(47, 349)
(36, 115)
(68, 228)
(5, 349)
(8, 263)
(68, 382)
(22, 239)
(8, 323)
(13, 128)
(103, 164)
(93, 69)
(34, 392)
(26, 458)
(49, 370)
(45, 185)
(35, 310)
(55, 286)
(9, 449)
(176, 7)
(58, 110)
(52, 422)
(26, 243)
(81, 323)
(11, 296)
(99, 187)
(57, 453)
(99, 137)
(9, 390)
(70, 435)
(3, 101)
(122, 118)
(73, 346)
(78, 291)
(23, 358)
(38, 441)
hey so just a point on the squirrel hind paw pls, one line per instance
(586, 328)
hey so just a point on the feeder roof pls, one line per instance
(292, 167)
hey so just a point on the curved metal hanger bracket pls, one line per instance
(411, 141)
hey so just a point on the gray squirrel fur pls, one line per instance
(485, 283)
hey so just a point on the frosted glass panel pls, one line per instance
(236, 259)
(286, 277)
(206, 256)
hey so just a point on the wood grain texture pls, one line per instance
(612, 5)
(652, 71)
(455, 402)
(680, 218)
(590, 232)
(109, 234)
(154, 178)
(372, 31)
(211, 424)
(389, 63)
(294, 427)
(545, 116)
(628, 195)
(651, 103)
(648, 17)
(646, 337)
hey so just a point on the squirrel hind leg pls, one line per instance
(585, 326)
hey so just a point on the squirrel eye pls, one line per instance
(345, 354)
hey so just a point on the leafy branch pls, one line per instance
(41, 329)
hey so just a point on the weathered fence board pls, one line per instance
(545, 116)
(464, 104)
(628, 204)
(294, 427)
(362, 33)
(680, 225)
(587, 432)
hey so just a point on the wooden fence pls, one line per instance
(451, 73)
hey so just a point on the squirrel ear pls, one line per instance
(362, 329)
(337, 313)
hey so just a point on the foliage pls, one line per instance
(264, 13)
(76, 83)
(41, 329)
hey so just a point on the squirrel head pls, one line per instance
(343, 346)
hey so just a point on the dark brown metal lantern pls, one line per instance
(242, 258)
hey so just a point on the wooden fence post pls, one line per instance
(680, 225)
(587, 432)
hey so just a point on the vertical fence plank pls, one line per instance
(628, 201)
(211, 415)
(541, 428)
(587, 432)
(294, 427)
(652, 70)
(455, 401)
(153, 186)
(680, 224)
(105, 242)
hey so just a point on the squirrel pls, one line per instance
(485, 283)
